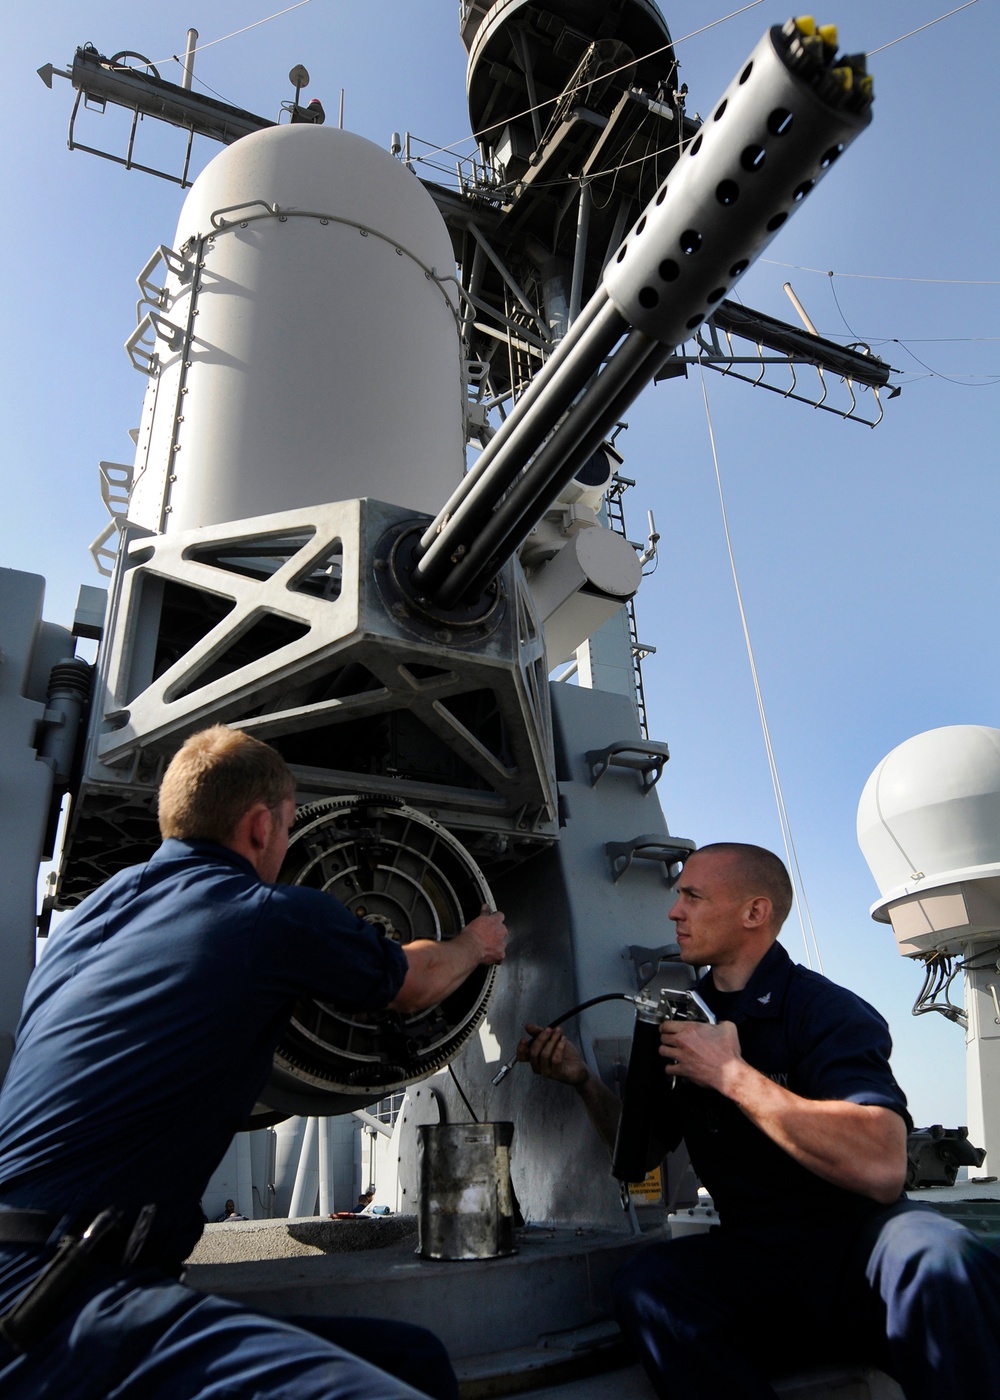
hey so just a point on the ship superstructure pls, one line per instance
(300, 554)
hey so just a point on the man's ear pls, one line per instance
(261, 824)
(758, 912)
(253, 831)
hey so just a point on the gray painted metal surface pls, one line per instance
(29, 649)
(571, 927)
(346, 653)
(504, 1321)
(473, 1305)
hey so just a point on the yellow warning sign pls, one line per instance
(649, 1191)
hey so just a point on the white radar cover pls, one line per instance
(929, 815)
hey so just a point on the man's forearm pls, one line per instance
(860, 1147)
(435, 971)
(603, 1108)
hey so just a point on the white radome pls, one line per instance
(929, 815)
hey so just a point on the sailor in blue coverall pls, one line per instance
(796, 1126)
(146, 1036)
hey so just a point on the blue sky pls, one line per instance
(868, 559)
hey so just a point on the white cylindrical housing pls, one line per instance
(310, 350)
(582, 586)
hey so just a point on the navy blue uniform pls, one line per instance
(800, 1270)
(146, 1036)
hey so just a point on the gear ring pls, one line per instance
(407, 875)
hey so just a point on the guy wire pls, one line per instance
(791, 855)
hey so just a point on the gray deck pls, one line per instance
(495, 1316)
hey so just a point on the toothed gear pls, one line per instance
(408, 876)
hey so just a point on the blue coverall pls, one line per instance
(801, 1271)
(146, 1036)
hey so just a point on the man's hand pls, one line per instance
(707, 1055)
(438, 969)
(861, 1147)
(487, 933)
(552, 1056)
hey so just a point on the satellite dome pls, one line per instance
(930, 813)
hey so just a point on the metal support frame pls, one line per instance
(127, 160)
(580, 252)
(516, 291)
(101, 80)
(398, 667)
(521, 36)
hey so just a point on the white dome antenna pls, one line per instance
(929, 828)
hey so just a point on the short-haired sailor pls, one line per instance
(146, 1036)
(796, 1125)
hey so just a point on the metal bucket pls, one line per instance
(466, 1206)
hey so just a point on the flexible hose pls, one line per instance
(566, 1016)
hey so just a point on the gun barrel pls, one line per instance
(578, 436)
(784, 120)
(565, 374)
